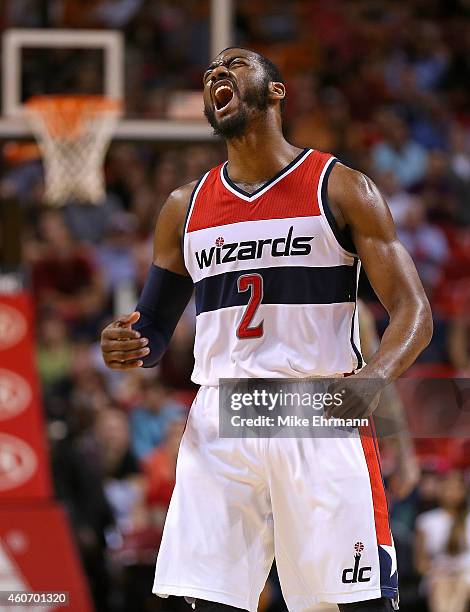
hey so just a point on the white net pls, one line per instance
(73, 133)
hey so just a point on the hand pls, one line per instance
(121, 346)
(360, 395)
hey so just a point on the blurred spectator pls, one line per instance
(89, 224)
(430, 56)
(116, 13)
(114, 254)
(397, 153)
(123, 482)
(459, 344)
(79, 485)
(88, 385)
(436, 191)
(160, 468)
(426, 243)
(150, 420)
(54, 352)
(66, 280)
(400, 201)
(443, 547)
(460, 171)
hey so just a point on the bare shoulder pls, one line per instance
(357, 198)
(169, 229)
(173, 212)
(349, 187)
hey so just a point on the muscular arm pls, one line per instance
(169, 230)
(139, 338)
(356, 202)
(391, 421)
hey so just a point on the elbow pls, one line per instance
(425, 322)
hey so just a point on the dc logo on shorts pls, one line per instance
(351, 575)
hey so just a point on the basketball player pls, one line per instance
(272, 240)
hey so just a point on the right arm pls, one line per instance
(141, 337)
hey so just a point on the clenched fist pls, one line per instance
(122, 347)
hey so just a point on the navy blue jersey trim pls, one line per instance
(343, 236)
(271, 180)
(357, 352)
(283, 285)
(389, 592)
(186, 218)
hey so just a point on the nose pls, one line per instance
(219, 72)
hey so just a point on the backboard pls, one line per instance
(111, 44)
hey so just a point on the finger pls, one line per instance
(119, 333)
(128, 320)
(353, 413)
(131, 365)
(124, 345)
(337, 392)
(350, 409)
(338, 411)
(126, 356)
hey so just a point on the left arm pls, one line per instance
(355, 201)
(392, 421)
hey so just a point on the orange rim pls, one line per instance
(64, 116)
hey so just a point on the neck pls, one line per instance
(260, 153)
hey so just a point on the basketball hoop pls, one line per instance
(73, 133)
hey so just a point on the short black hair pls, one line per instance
(271, 70)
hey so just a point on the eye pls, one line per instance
(236, 62)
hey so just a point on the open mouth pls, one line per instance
(223, 95)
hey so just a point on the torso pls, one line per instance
(275, 291)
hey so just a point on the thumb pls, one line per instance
(129, 319)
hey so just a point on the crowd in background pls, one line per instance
(384, 86)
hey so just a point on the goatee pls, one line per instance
(231, 127)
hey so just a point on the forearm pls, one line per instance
(164, 297)
(406, 336)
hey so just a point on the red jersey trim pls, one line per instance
(292, 193)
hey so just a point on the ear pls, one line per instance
(277, 91)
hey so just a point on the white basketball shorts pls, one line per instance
(315, 504)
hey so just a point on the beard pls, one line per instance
(229, 127)
(236, 125)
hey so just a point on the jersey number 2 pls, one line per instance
(254, 282)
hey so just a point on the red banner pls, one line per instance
(36, 549)
(37, 554)
(24, 470)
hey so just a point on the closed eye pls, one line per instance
(234, 63)
(237, 62)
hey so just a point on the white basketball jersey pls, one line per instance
(275, 291)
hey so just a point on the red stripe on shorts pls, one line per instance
(379, 500)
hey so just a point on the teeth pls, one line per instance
(221, 88)
(222, 100)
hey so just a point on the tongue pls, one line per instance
(223, 97)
